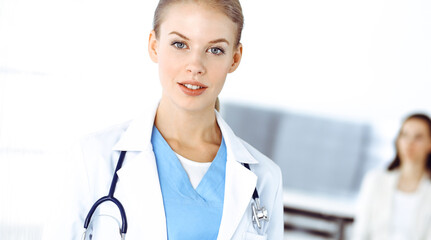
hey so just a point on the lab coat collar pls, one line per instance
(137, 137)
(234, 145)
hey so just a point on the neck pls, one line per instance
(410, 176)
(187, 127)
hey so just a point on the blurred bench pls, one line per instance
(322, 161)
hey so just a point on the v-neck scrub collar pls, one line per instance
(190, 213)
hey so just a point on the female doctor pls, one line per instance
(184, 173)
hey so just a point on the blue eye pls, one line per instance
(179, 45)
(216, 51)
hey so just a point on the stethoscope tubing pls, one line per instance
(110, 197)
(255, 193)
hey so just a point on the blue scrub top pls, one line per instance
(190, 213)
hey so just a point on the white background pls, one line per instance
(73, 67)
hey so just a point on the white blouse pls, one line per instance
(404, 209)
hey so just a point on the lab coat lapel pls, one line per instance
(139, 186)
(239, 183)
(138, 181)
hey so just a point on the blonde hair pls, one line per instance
(231, 8)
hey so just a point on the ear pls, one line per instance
(153, 46)
(236, 58)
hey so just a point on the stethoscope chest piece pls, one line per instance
(259, 213)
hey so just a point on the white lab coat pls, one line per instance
(139, 191)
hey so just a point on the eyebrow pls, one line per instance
(212, 42)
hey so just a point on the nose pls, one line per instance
(195, 65)
(408, 143)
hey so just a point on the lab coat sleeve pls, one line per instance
(428, 230)
(67, 216)
(276, 223)
(362, 223)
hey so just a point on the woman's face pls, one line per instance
(414, 142)
(195, 51)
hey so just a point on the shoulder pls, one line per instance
(378, 179)
(266, 167)
(96, 151)
(381, 174)
(105, 138)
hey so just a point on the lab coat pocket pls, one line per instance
(103, 227)
(105, 223)
(254, 236)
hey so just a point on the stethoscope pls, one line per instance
(259, 213)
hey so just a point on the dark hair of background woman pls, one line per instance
(397, 162)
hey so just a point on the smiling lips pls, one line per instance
(192, 88)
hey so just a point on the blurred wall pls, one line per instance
(72, 67)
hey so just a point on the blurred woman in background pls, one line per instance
(395, 204)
